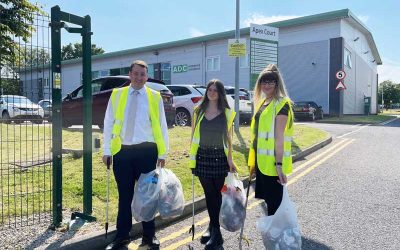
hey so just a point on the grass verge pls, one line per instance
(357, 119)
(15, 182)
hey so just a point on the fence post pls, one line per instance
(56, 119)
(87, 122)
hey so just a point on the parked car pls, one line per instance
(46, 105)
(308, 110)
(19, 109)
(72, 104)
(185, 99)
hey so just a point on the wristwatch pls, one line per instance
(278, 164)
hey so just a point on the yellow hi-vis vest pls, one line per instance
(266, 139)
(230, 115)
(119, 98)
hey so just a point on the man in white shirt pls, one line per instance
(140, 149)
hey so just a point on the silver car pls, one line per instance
(19, 109)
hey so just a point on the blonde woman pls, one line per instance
(270, 157)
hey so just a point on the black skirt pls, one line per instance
(211, 162)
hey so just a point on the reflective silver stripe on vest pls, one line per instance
(287, 153)
(265, 152)
(266, 135)
(192, 157)
(196, 140)
(287, 138)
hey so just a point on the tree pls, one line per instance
(391, 92)
(16, 19)
(72, 51)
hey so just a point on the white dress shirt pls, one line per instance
(142, 130)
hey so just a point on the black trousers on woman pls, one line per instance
(270, 190)
(128, 164)
(212, 190)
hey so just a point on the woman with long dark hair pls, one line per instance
(211, 154)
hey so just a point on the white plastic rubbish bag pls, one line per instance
(171, 201)
(281, 230)
(232, 212)
(145, 199)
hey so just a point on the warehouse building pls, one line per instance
(310, 51)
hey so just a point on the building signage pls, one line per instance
(236, 47)
(264, 32)
(185, 68)
(179, 68)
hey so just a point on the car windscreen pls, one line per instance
(17, 100)
(301, 103)
(202, 90)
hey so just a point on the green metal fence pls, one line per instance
(26, 128)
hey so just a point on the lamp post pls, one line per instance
(237, 36)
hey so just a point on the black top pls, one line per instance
(211, 131)
(283, 111)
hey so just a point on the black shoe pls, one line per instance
(152, 243)
(118, 242)
(206, 235)
(216, 240)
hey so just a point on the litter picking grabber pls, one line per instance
(191, 230)
(108, 191)
(245, 207)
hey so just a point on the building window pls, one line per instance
(100, 73)
(213, 63)
(244, 61)
(347, 58)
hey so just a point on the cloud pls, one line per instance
(389, 70)
(363, 18)
(261, 19)
(195, 32)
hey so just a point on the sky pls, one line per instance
(127, 24)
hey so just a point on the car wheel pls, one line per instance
(5, 118)
(182, 117)
(38, 121)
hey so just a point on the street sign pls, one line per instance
(264, 32)
(237, 47)
(340, 86)
(340, 75)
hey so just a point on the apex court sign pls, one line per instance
(264, 32)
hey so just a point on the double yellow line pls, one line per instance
(316, 160)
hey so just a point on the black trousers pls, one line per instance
(212, 190)
(270, 190)
(128, 164)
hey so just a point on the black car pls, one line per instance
(307, 110)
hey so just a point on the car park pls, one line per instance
(72, 104)
(46, 105)
(185, 99)
(19, 109)
(307, 110)
(245, 105)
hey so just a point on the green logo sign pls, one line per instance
(179, 68)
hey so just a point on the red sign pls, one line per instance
(340, 86)
(340, 75)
